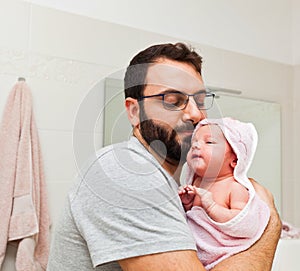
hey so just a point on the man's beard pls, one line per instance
(164, 139)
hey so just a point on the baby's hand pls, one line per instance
(187, 195)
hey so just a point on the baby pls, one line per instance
(223, 211)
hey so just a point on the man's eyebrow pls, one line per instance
(171, 90)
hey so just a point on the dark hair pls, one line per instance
(134, 81)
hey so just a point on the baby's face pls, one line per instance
(210, 154)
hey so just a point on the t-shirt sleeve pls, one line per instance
(127, 206)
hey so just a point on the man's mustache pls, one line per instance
(185, 127)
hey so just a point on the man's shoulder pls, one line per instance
(128, 158)
(127, 152)
(132, 144)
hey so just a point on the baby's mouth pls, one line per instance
(196, 156)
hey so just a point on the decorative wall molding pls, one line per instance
(34, 65)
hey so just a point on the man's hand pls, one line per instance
(264, 194)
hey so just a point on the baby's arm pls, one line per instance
(238, 197)
(219, 213)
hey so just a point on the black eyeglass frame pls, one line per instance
(207, 94)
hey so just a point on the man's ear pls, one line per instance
(133, 111)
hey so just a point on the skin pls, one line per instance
(214, 187)
(210, 156)
(185, 78)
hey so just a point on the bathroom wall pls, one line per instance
(296, 145)
(257, 28)
(63, 57)
(296, 108)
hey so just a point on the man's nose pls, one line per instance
(192, 113)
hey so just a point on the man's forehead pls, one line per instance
(174, 75)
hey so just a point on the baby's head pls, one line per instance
(211, 155)
(237, 150)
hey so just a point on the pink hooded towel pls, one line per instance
(24, 216)
(217, 241)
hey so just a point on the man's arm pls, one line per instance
(258, 257)
(181, 260)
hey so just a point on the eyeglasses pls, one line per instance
(177, 100)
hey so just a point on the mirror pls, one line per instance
(266, 116)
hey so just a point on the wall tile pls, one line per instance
(57, 194)
(65, 152)
(76, 37)
(256, 78)
(14, 62)
(213, 65)
(14, 24)
(57, 103)
(57, 153)
(85, 147)
(150, 38)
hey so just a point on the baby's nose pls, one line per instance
(195, 145)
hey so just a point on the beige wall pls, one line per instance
(256, 28)
(63, 56)
(295, 186)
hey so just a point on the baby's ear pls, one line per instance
(233, 163)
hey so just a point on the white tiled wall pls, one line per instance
(14, 21)
(296, 145)
(65, 56)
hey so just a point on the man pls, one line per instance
(125, 213)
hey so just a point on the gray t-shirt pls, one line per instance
(124, 205)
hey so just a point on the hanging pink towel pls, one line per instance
(24, 215)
